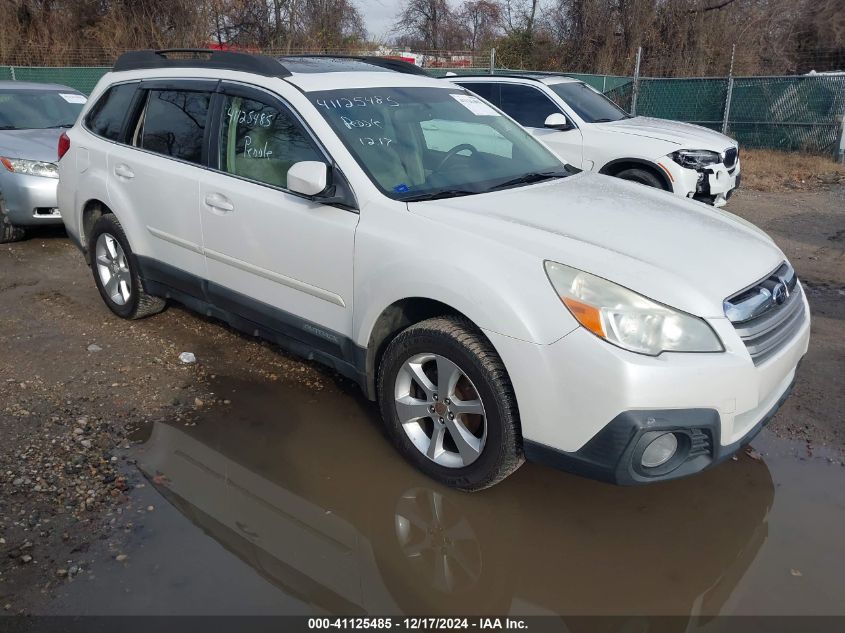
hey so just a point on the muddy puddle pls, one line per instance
(290, 501)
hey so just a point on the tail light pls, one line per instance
(64, 144)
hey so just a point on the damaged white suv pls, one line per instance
(497, 304)
(589, 131)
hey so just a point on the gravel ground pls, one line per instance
(75, 382)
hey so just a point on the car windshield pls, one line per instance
(589, 104)
(425, 143)
(38, 109)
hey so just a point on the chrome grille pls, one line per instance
(768, 314)
(730, 156)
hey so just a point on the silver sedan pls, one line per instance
(32, 118)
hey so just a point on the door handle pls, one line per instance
(123, 171)
(220, 202)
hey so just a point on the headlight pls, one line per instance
(696, 158)
(31, 167)
(626, 319)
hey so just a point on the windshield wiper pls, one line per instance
(8, 127)
(54, 127)
(438, 195)
(530, 177)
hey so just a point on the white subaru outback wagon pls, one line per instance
(498, 305)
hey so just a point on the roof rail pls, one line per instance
(388, 63)
(534, 76)
(397, 65)
(224, 60)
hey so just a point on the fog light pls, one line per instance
(660, 450)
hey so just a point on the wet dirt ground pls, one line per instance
(252, 483)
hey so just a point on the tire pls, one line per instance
(493, 446)
(641, 176)
(133, 302)
(9, 232)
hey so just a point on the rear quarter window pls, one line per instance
(173, 123)
(108, 114)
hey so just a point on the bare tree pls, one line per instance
(423, 21)
(480, 21)
(519, 16)
(331, 24)
(678, 37)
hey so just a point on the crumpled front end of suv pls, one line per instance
(707, 176)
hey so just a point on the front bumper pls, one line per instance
(584, 404)
(714, 184)
(29, 200)
(614, 454)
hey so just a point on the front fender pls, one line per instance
(498, 288)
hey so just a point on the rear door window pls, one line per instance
(489, 91)
(107, 116)
(527, 105)
(173, 124)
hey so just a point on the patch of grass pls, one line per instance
(769, 170)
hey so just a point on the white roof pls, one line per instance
(307, 82)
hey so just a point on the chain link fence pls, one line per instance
(798, 113)
(790, 113)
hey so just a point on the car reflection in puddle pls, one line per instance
(308, 492)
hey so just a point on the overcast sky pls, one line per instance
(379, 16)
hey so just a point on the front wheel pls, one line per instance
(641, 176)
(449, 405)
(115, 272)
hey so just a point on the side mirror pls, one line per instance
(308, 177)
(557, 121)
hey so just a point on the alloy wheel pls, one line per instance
(440, 410)
(113, 269)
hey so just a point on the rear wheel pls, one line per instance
(449, 405)
(8, 231)
(642, 176)
(115, 272)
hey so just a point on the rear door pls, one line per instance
(276, 258)
(154, 180)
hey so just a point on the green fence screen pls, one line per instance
(803, 113)
(82, 78)
(790, 113)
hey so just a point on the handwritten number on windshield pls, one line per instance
(383, 140)
(357, 102)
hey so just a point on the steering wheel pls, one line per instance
(452, 153)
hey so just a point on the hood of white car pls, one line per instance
(684, 135)
(675, 251)
(37, 144)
